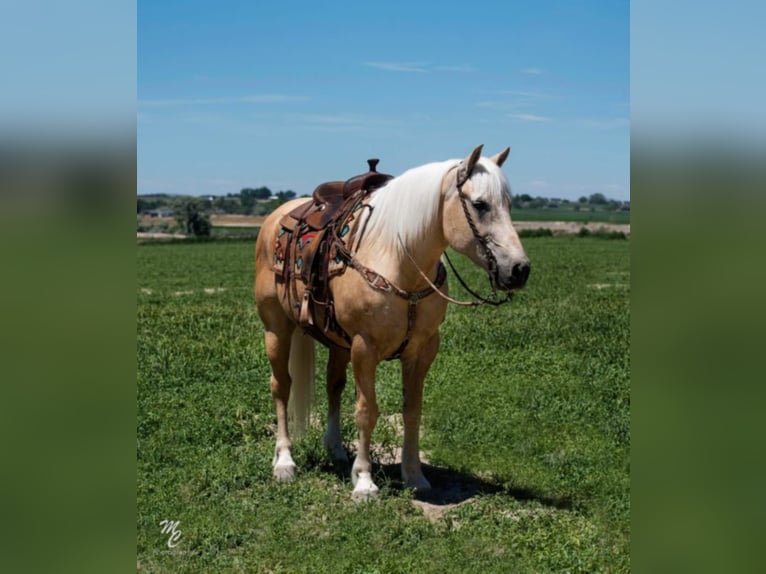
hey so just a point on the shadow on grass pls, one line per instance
(448, 486)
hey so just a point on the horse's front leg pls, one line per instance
(278, 351)
(414, 369)
(364, 362)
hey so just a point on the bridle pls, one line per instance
(461, 177)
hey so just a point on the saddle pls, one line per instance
(307, 249)
(330, 196)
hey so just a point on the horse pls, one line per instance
(390, 301)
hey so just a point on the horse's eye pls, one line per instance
(481, 206)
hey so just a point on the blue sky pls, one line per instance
(292, 94)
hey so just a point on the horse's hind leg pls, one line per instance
(414, 370)
(278, 334)
(336, 381)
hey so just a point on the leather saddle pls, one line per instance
(330, 196)
(305, 243)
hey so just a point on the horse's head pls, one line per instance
(477, 219)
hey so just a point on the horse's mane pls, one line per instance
(407, 206)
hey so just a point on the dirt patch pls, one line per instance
(607, 285)
(563, 227)
(446, 492)
(235, 220)
(157, 235)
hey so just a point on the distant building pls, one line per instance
(160, 212)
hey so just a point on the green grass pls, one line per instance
(227, 232)
(562, 214)
(526, 406)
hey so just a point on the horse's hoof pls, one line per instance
(420, 484)
(285, 472)
(284, 466)
(364, 488)
(416, 481)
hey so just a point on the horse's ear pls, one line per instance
(500, 158)
(471, 160)
(466, 166)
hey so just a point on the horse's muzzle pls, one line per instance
(517, 278)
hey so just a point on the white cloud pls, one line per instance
(328, 119)
(455, 69)
(253, 99)
(532, 71)
(538, 183)
(515, 100)
(526, 94)
(342, 122)
(418, 67)
(398, 66)
(605, 124)
(530, 118)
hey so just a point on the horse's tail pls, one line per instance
(301, 367)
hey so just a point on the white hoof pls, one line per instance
(284, 467)
(364, 488)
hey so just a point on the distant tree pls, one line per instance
(192, 217)
(262, 193)
(597, 199)
(284, 196)
(228, 204)
(144, 204)
(583, 199)
(525, 197)
(248, 197)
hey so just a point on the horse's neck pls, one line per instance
(400, 264)
(408, 212)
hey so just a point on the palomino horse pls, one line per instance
(464, 204)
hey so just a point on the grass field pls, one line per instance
(526, 411)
